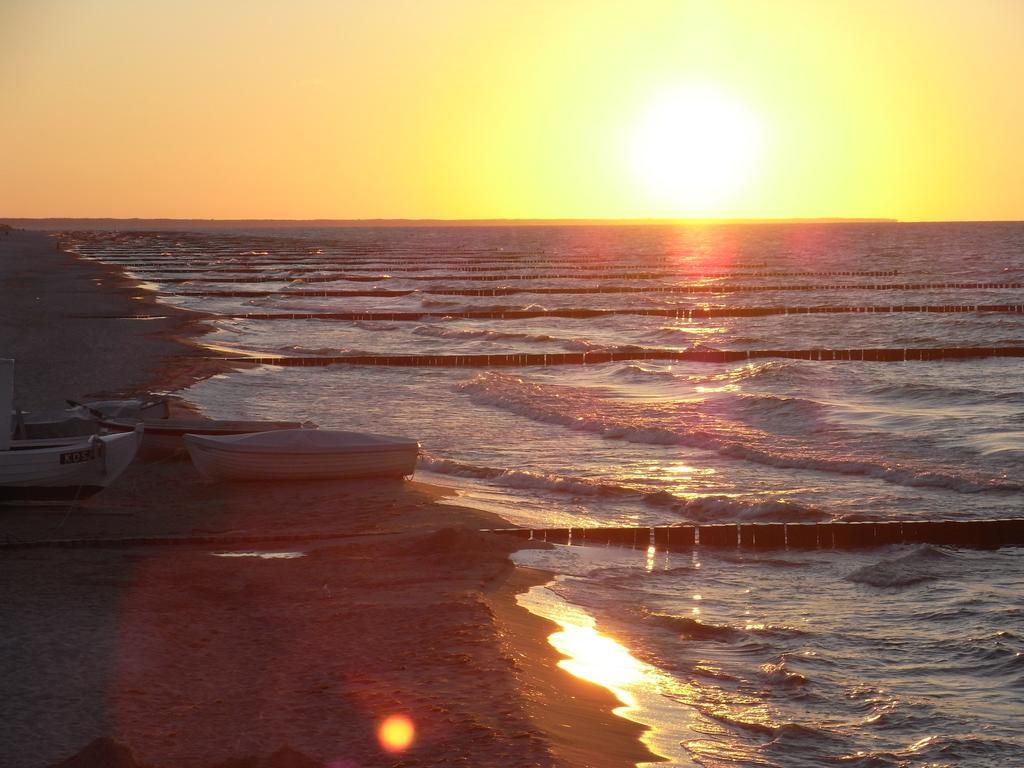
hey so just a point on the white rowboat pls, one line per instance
(302, 454)
(58, 469)
(64, 469)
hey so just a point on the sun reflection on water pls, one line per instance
(680, 469)
(597, 658)
(649, 696)
(650, 559)
(594, 656)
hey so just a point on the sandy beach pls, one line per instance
(202, 653)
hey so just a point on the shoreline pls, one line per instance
(86, 350)
(573, 717)
(564, 703)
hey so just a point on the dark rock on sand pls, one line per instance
(464, 545)
(285, 757)
(104, 753)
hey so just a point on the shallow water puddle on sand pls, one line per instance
(601, 659)
(262, 555)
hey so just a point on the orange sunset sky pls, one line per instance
(493, 109)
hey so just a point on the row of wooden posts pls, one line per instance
(976, 534)
(307, 262)
(680, 289)
(593, 358)
(299, 275)
(691, 313)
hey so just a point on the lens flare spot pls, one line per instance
(396, 733)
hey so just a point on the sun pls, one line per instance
(694, 148)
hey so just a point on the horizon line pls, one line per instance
(53, 221)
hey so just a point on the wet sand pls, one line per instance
(70, 325)
(191, 658)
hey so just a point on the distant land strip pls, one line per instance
(191, 225)
(594, 358)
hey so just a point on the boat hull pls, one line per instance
(59, 470)
(221, 463)
(164, 437)
(45, 494)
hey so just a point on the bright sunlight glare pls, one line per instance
(694, 148)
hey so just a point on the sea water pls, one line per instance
(903, 656)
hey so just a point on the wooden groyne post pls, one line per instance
(971, 534)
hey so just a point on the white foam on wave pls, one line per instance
(926, 563)
(693, 508)
(304, 351)
(526, 479)
(581, 412)
(375, 326)
(487, 334)
(791, 414)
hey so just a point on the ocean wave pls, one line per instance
(432, 302)
(784, 372)
(440, 332)
(923, 564)
(695, 629)
(999, 635)
(302, 351)
(582, 345)
(703, 670)
(697, 509)
(791, 735)
(778, 674)
(785, 733)
(762, 559)
(429, 301)
(720, 508)
(790, 413)
(565, 407)
(375, 325)
(525, 479)
(961, 750)
(234, 325)
(669, 336)
(638, 373)
(995, 658)
(939, 394)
